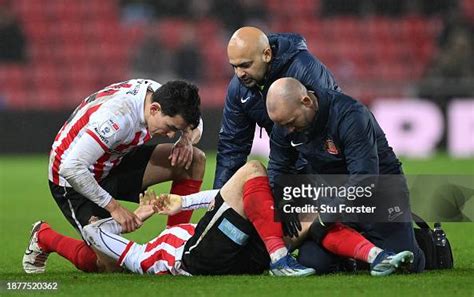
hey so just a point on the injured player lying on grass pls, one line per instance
(237, 235)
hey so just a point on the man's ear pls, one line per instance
(155, 107)
(267, 55)
(306, 101)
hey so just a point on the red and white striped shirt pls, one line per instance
(103, 128)
(162, 255)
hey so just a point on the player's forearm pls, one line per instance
(112, 205)
(82, 180)
(75, 169)
(144, 212)
(199, 200)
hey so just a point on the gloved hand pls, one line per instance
(290, 223)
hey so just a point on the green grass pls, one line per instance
(25, 198)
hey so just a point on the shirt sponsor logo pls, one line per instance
(233, 232)
(135, 90)
(104, 140)
(108, 129)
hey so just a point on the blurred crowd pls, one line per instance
(12, 39)
(185, 60)
(163, 54)
(449, 73)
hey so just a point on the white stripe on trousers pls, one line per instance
(214, 219)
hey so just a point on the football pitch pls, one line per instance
(25, 198)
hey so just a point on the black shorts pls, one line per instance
(124, 182)
(224, 243)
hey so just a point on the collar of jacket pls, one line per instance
(284, 46)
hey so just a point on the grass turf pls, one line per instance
(25, 198)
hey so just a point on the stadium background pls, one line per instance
(54, 53)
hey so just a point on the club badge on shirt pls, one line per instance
(331, 147)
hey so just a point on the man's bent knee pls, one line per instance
(199, 158)
(198, 165)
(254, 168)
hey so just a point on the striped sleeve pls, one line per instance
(75, 169)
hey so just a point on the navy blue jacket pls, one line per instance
(245, 107)
(344, 138)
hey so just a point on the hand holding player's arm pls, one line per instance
(182, 152)
(128, 220)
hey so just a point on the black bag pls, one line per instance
(435, 245)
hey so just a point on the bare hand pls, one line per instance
(168, 204)
(182, 152)
(129, 221)
(147, 206)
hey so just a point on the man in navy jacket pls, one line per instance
(258, 60)
(336, 134)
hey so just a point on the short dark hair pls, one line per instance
(179, 97)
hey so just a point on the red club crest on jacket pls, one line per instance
(331, 147)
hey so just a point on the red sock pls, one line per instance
(183, 187)
(346, 242)
(75, 250)
(258, 206)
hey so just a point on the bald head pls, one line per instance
(248, 39)
(284, 93)
(249, 53)
(289, 104)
